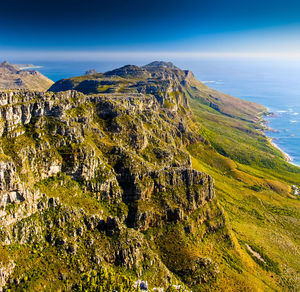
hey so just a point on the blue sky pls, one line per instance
(217, 26)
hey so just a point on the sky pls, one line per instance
(191, 28)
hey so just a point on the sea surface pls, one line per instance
(274, 84)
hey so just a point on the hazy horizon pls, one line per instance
(141, 55)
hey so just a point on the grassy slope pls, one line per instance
(253, 186)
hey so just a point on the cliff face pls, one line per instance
(100, 180)
(11, 77)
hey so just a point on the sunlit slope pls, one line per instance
(221, 102)
(253, 184)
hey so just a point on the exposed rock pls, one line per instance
(160, 64)
(200, 270)
(91, 72)
(128, 71)
(5, 272)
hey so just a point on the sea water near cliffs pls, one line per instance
(274, 84)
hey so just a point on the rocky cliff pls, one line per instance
(89, 175)
(12, 77)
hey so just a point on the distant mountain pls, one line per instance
(12, 77)
(158, 78)
(160, 64)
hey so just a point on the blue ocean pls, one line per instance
(274, 84)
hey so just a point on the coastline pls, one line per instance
(30, 67)
(286, 156)
(264, 123)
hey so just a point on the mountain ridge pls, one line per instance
(147, 175)
(158, 72)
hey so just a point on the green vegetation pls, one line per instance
(104, 280)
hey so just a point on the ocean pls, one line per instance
(274, 84)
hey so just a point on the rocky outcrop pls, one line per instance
(161, 64)
(17, 199)
(91, 72)
(36, 115)
(130, 71)
(200, 270)
(184, 191)
(5, 272)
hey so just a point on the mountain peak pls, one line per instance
(161, 64)
(128, 70)
(91, 72)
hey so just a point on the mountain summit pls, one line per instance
(160, 64)
(159, 78)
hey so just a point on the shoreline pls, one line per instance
(264, 123)
(30, 67)
(286, 156)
